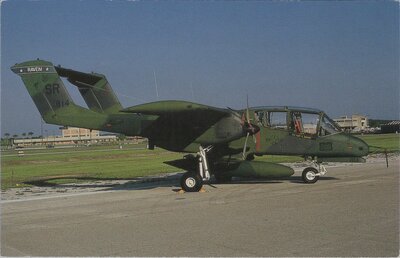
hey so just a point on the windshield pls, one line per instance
(328, 126)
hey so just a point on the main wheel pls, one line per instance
(310, 175)
(191, 182)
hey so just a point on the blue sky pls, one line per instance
(341, 57)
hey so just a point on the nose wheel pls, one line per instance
(310, 175)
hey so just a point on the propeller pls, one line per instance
(245, 146)
(250, 128)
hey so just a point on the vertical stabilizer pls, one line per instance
(43, 82)
(51, 97)
(44, 86)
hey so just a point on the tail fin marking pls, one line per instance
(44, 85)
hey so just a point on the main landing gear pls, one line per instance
(311, 175)
(192, 181)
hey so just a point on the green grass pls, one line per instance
(113, 164)
(110, 162)
(279, 159)
(55, 166)
(391, 142)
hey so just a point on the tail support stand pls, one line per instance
(386, 156)
(203, 163)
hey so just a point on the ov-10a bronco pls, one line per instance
(219, 142)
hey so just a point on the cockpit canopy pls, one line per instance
(299, 121)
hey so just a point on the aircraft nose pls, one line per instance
(360, 148)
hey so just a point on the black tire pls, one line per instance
(223, 178)
(250, 157)
(191, 182)
(309, 175)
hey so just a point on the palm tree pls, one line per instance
(23, 135)
(15, 136)
(30, 134)
(5, 141)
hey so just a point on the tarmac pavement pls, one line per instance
(352, 211)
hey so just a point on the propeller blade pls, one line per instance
(245, 146)
(247, 110)
(243, 119)
(248, 127)
(249, 124)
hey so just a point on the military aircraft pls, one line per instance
(217, 141)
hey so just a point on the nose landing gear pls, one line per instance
(311, 175)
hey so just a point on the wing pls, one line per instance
(175, 107)
(179, 123)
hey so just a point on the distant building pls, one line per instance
(75, 136)
(59, 140)
(392, 127)
(353, 123)
(78, 132)
(70, 136)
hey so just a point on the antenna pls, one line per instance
(155, 82)
(191, 88)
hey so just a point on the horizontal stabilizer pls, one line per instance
(94, 88)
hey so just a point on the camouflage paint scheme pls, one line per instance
(183, 126)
